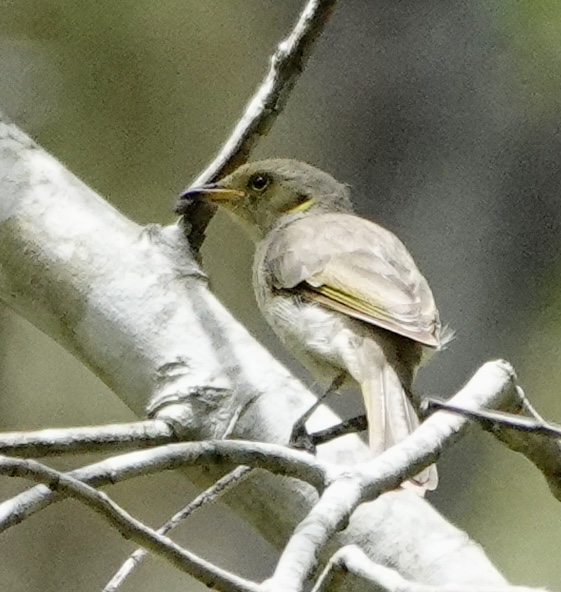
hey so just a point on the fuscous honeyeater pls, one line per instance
(341, 292)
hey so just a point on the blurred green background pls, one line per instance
(444, 117)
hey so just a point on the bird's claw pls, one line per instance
(300, 438)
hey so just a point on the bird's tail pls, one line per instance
(391, 418)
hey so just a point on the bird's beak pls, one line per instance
(211, 193)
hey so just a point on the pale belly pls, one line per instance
(326, 342)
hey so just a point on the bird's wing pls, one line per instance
(358, 268)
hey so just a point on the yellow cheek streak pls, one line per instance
(301, 207)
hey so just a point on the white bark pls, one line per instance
(529, 434)
(492, 386)
(131, 304)
(350, 567)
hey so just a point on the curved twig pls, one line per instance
(208, 496)
(129, 527)
(272, 457)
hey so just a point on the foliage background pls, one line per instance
(445, 119)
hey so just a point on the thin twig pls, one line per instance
(272, 457)
(129, 527)
(287, 63)
(507, 420)
(538, 440)
(206, 497)
(112, 438)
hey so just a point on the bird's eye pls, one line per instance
(259, 182)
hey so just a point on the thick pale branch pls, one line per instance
(350, 567)
(132, 304)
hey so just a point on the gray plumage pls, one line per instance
(341, 292)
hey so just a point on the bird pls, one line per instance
(342, 292)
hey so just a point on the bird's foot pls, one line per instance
(348, 426)
(300, 438)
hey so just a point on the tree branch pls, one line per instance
(350, 567)
(219, 454)
(206, 497)
(533, 437)
(492, 385)
(129, 527)
(113, 438)
(144, 321)
(287, 63)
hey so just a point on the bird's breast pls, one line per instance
(318, 337)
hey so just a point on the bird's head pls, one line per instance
(261, 193)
